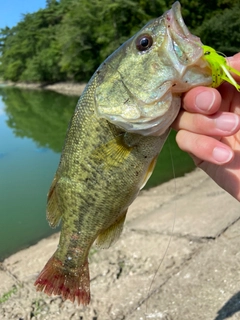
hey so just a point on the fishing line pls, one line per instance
(171, 233)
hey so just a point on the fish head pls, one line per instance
(139, 86)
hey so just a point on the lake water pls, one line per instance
(32, 130)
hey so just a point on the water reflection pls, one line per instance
(39, 115)
(32, 130)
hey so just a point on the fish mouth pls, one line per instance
(174, 16)
(184, 51)
(176, 24)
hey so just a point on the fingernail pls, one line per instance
(222, 155)
(205, 100)
(230, 58)
(227, 122)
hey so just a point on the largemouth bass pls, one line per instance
(116, 133)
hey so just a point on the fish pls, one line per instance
(118, 128)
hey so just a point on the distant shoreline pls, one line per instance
(69, 88)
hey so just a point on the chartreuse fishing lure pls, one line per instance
(220, 70)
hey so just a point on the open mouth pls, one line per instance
(175, 16)
(175, 22)
(186, 46)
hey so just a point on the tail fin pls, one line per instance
(74, 286)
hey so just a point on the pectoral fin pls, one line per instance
(149, 171)
(53, 212)
(113, 152)
(112, 234)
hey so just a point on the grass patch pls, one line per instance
(6, 296)
(39, 306)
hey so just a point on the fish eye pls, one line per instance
(144, 42)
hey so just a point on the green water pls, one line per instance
(32, 130)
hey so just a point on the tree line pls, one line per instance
(68, 39)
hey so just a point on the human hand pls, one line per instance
(209, 129)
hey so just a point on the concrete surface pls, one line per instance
(178, 259)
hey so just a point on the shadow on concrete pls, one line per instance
(230, 308)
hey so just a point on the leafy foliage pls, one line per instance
(222, 31)
(70, 38)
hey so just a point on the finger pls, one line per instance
(234, 62)
(202, 100)
(220, 124)
(230, 98)
(204, 148)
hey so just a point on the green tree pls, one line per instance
(92, 30)
(222, 31)
(29, 51)
(70, 38)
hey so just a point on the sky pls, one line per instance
(12, 10)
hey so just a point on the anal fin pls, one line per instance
(112, 234)
(53, 212)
